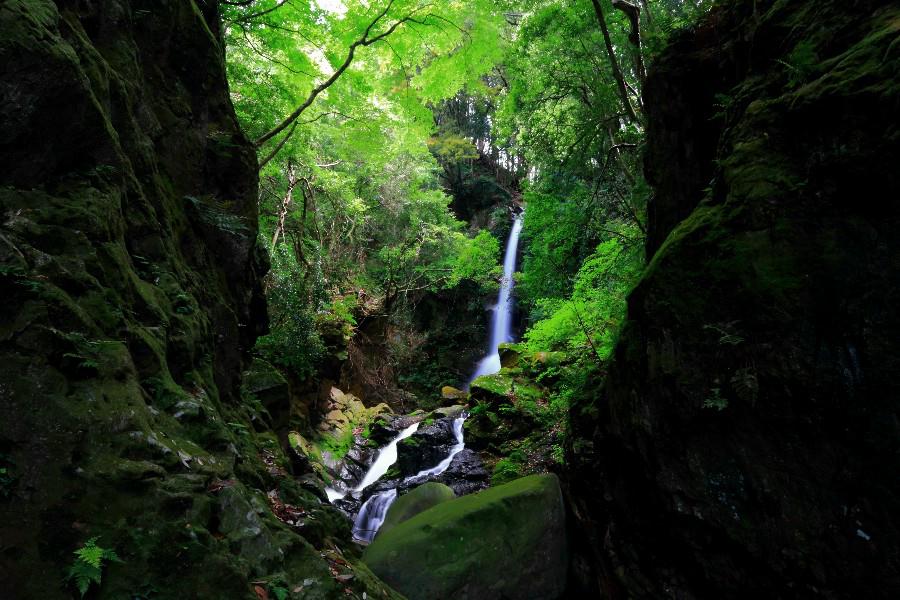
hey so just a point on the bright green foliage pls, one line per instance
(404, 99)
(351, 204)
(557, 237)
(588, 320)
(88, 566)
(294, 341)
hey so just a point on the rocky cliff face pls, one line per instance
(131, 282)
(745, 443)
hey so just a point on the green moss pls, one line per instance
(506, 540)
(411, 442)
(415, 501)
(505, 471)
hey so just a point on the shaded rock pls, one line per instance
(425, 448)
(503, 542)
(745, 441)
(267, 384)
(415, 501)
(466, 473)
(240, 523)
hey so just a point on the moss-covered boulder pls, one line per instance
(412, 503)
(745, 443)
(504, 542)
(504, 387)
(510, 354)
(448, 392)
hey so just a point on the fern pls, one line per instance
(88, 565)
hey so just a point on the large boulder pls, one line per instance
(745, 441)
(504, 542)
(415, 501)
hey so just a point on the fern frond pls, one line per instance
(83, 574)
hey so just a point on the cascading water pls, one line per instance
(383, 462)
(444, 464)
(501, 322)
(372, 513)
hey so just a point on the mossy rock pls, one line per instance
(503, 387)
(412, 503)
(262, 379)
(510, 354)
(447, 411)
(503, 542)
(494, 389)
(448, 392)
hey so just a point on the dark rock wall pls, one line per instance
(130, 278)
(746, 442)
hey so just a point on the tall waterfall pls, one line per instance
(501, 322)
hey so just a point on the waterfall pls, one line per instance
(501, 322)
(383, 462)
(372, 513)
(444, 464)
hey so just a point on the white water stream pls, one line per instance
(386, 457)
(372, 513)
(501, 322)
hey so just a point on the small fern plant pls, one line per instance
(88, 566)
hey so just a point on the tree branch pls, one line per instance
(364, 40)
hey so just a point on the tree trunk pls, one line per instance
(614, 62)
(633, 12)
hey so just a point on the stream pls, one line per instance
(374, 510)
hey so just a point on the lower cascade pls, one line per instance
(373, 511)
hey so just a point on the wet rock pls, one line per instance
(466, 473)
(426, 448)
(383, 429)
